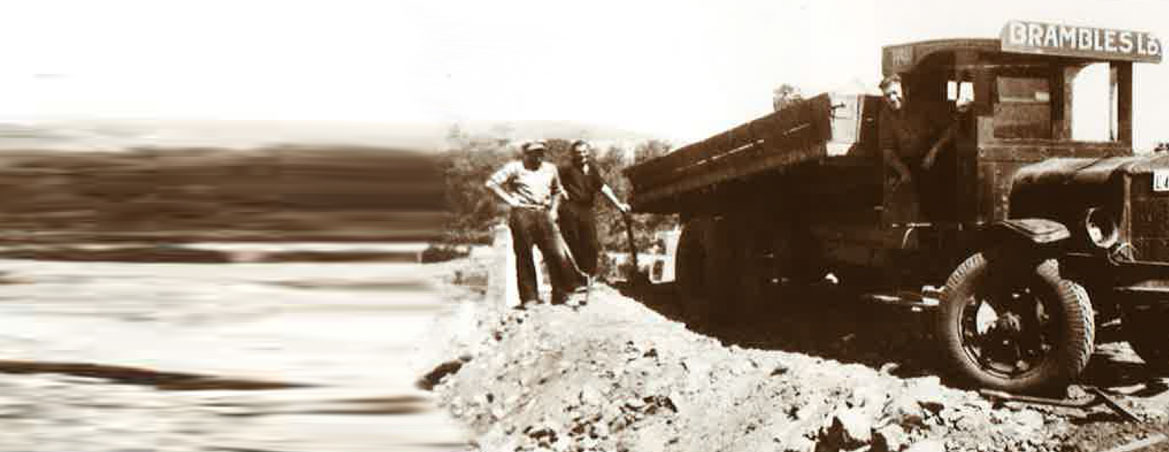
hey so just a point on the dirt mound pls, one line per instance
(616, 375)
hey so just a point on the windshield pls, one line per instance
(1032, 102)
(1094, 106)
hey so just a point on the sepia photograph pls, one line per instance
(608, 226)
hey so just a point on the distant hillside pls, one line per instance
(120, 135)
(274, 193)
(548, 129)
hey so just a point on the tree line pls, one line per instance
(469, 159)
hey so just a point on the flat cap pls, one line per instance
(533, 146)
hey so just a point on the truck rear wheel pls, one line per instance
(690, 268)
(707, 271)
(1015, 327)
(1144, 327)
(749, 270)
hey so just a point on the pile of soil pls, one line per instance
(615, 375)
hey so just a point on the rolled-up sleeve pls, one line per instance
(556, 189)
(502, 176)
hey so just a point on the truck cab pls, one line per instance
(1020, 104)
(1043, 171)
(1041, 93)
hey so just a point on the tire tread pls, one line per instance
(1071, 356)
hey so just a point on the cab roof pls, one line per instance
(1075, 43)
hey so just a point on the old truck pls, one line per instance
(1045, 227)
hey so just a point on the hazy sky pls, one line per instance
(681, 69)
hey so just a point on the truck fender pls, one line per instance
(1035, 231)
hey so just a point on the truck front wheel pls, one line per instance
(1015, 327)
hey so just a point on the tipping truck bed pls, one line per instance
(826, 126)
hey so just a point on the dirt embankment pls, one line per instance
(616, 375)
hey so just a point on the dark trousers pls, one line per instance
(934, 189)
(535, 227)
(579, 226)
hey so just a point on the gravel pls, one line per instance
(615, 375)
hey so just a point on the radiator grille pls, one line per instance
(1150, 220)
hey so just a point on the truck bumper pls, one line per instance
(1144, 295)
(1142, 283)
(1132, 282)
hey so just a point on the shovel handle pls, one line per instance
(632, 244)
(1115, 407)
(1000, 395)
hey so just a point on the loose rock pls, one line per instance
(850, 429)
(928, 445)
(890, 438)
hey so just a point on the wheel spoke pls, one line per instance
(1007, 331)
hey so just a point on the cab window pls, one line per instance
(1023, 109)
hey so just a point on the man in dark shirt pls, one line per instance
(578, 223)
(910, 137)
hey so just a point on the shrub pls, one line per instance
(442, 252)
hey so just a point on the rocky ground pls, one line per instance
(623, 373)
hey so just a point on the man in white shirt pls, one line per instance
(532, 189)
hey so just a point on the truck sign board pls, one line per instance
(1077, 41)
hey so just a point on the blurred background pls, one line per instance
(222, 223)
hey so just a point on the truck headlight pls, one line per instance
(1101, 227)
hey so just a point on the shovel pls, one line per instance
(1099, 398)
(636, 277)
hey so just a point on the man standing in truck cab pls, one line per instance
(910, 136)
(578, 222)
(531, 188)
